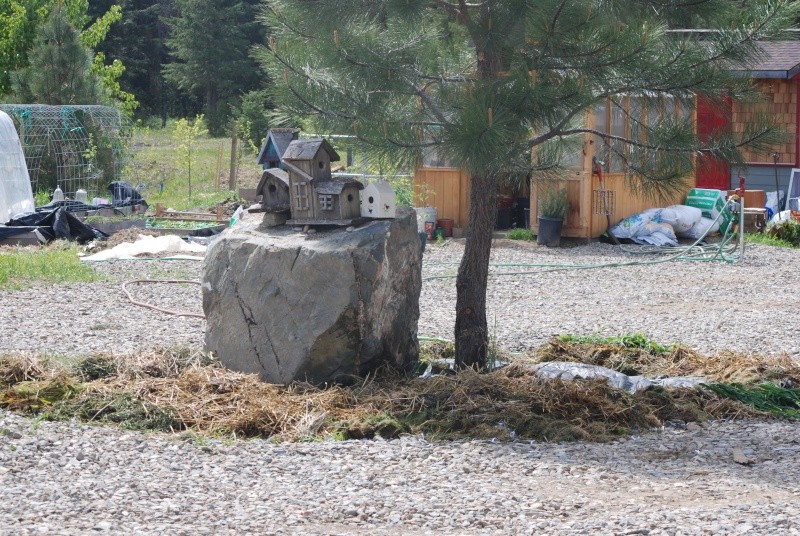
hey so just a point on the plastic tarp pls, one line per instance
(149, 245)
(52, 225)
(16, 196)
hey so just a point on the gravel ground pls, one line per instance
(68, 478)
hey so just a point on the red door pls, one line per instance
(712, 172)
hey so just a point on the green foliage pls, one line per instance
(768, 397)
(41, 197)
(60, 68)
(211, 59)
(253, 118)
(520, 234)
(109, 77)
(403, 187)
(632, 340)
(186, 136)
(22, 24)
(767, 240)
(56, 264)
(94, 34)
(553, 203)
(155, 161)
(786, 231)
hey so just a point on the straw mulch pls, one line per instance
(679, 361)
(181, 390)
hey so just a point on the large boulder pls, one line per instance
(320, 307)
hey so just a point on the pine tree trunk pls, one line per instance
(472, 337)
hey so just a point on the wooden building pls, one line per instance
(776, 72)
(447, 188)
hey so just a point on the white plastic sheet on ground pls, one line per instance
(151, 246)
(16, 196)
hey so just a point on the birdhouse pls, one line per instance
(315, 197)
(274, 190)
(378, 200)
(277, 140)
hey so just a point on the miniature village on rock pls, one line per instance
(298, 186)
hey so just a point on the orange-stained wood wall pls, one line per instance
(447, 189)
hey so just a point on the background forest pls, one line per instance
(157, 59)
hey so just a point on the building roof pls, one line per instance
(280, 138)
(336, 187)
(308, 149)
(776, 59)
(276, 173)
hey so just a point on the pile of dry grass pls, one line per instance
(679, 361)
(181, 390)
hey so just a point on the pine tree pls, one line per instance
(210, 43)
(493, 82)
(59, 70)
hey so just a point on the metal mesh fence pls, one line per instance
(73, 147)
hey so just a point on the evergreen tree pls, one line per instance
(139, 42)
(210, 43)
(489, 83)
(60, 67)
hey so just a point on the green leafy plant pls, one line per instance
(41, 197)
(520, 234)
(787, 232)
(553, 203)
(187, 134)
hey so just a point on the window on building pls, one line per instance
(301, 196)
(325, 202)
(629, 118)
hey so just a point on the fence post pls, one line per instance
(234, 159)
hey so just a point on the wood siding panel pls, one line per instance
(780, 105)
(448, 190)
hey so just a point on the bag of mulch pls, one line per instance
(701, 228)
(686, 217)
(630, 226)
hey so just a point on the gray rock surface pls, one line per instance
(323, 307)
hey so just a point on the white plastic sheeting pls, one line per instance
(149, 245)
(16, 195)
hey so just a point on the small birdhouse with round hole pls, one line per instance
(378, 200)
(274, 190)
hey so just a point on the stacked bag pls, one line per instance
(663, 226)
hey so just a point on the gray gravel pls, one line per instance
(68, 478)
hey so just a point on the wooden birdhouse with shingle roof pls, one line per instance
(316, 198)
(274, 190)
(277, 140)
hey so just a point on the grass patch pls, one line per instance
(633, 340)
(157, 163)
(54, 264)
(180, 390)
(768, 240)
(520, 234)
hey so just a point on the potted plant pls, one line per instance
(426, 213)
(553, 206)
